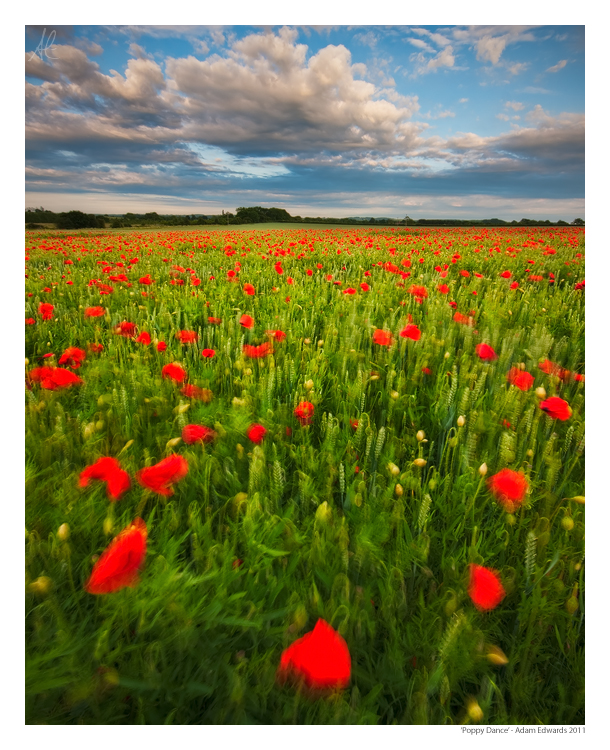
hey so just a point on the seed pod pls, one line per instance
(483, 469)
(108, 525)
(580, 499)
(420, 435)
(420, 462)
(496, 656)
(308, 384)
(567, 523)
(540, 392)
(173, 442)
(398, 490)
(474, 711)
(394, 395)
(63, 532)
(572, 605)
(461, 421)
(393, 469)
(41, 586)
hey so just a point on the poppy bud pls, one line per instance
(540, 392)
(447, 355)
(321, 342)
(27, 361)
(307, 341)
(420, 435)
(398, 490)
(323, 513)
(474, 711)
(41, 586)
(580, 499)
(238, 401)
(108, 525)
(483, 469)
(572, 605)
(88, 430)
(567, 523)
(529, 453)
(420, 462)
(240, 450)
(63, 532)
(99, 425)
(308, 385)
(240, 499)
(461, 421)
(496, 656)
(181, 408)
(510, 519)
(393, 469)
(394, 395)
(173, 442)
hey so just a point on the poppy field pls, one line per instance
(305, 476)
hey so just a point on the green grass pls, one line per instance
(199, 640)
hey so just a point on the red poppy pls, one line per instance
(579, 377)
(304, 412)
(506, 274)
(30, 322)
(194, 391)
(121, 561)
(464, 273)
(519, 378)
(95, 348)
(509, 488)
(383, 338)
(580, 285)
(364, 286)
(247, 321)
(514, 285)
(196, 433)
(143, 338)
(556, 408)
(54, 378)
(426, 371)
(249, 289)
(485, 588)
(464, 319)
(208, 353)
(161, 346)
(485, 352)
(349, 290)
(215, 321)
(46, 310)
(277, 335)
(443, 288)
(256, 352)
(354, 423)
(161, 476)
(174, 372)
(107, 470)
(146, 280)
(73, 357)
(128, 330)
(186, 337)
(550, 368)
(94, 312)
(256, 433)
(321, 658)
(411, 332)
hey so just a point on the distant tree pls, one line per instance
(578, 223)
(78, 220)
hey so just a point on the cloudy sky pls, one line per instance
(425, 121)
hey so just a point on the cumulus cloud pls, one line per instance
(555, 68)
(516, 106)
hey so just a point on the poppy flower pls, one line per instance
(443, 288)
(320, 658)
(196, 433)
(556, 408)
(107, 470)
(514, 285)
(186, 337)
(95, 348)
(247, 321)
(174, 372)
(485, 588)
(383, 338)
(249, 289)
(485, 352)
(194, 391)
(73, 357)
(54, 378)
(121, 561)
(146, 280)
(349, 290)
(215, 321)
(509, 488)
(208, 353)
(46, 310)
(354, 423)
(30, 322)
(304, 412)
(256, 352)
(143, 338)
(580, 285)
(277, 335)
(418, 291)
(464, 319)
(364, 286)
(161, 346)
(126, 329)
(161, 476)
(464, 273)
(94, 312)
(411, 332)
(520, 379)
(506, 274)
(550, 368)
(256, 433)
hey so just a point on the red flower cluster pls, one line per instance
(208, 353)
(160, 477)
(247, 321)
(54, 378)
(485, 588)
(46, 310)
(194, 391)
(126, 329)
(173, 371)
(73, 357)
(107, 470)
(418, 291)
(411, 332)
(277, 335)
(256, 352)
(186, 337)
(94, 312)
(485, 352)
(120, 563)
(249, 289)
(195, 433)
(556, 408)
(383, 338)
(143, 338)
(320, 658)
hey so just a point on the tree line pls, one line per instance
(36, 218)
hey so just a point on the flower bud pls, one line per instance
(240, 450)
(540, 392)
(567, 523)
(393, 469)
(323, 513)
(447, 355)
(496, 656)
(63, 532)
(394, 395)
(461, 421)
(99, 425)
(420, 462)
(108, 525)
(240, 499)
(308, 384)
(181, 408)
(248, 371)
(483, 469)
(580, 499)
(321, 342)
(27, 361)
(398, 490)
(420, 435)
(474, 711)
(510, 519)
(307, 341)
(88, 430)
(238, 401)
(572, 605)
(41, 586)
(173, 442)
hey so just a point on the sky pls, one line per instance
(458, 121)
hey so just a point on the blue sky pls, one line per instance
(425, 121)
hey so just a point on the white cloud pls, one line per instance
(502, 116)
(516, 106)
(420, 44)
(463, 100)
(555, 68)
